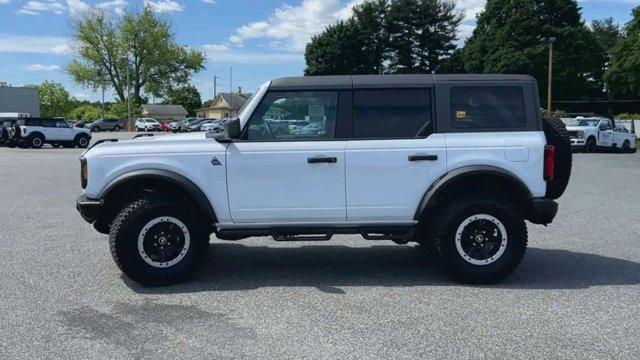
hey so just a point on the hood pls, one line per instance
(577, 128)
(180, 143)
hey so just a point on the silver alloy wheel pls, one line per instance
(486, 248)
(182, 233)
(82, 141)
(36, 142)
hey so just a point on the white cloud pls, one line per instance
(164, 6)
(38, 7)
(2, 2)
(212, 2)
(40, 67)
(77, 7)
(292, 26)
(215, 47)
(117, 6)
(35, 44)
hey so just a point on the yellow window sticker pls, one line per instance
(461, 114)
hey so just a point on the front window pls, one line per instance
(303, 115)
(584, 122)
(61, 123)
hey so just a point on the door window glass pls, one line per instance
(487, 107)
(47, 123)
(286, 116)
(398, 113)
(61, 123)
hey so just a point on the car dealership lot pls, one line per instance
(575, 295)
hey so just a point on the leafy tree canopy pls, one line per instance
(623, 75)
(54, 99)
(156, 62)
(84, 112)
(187, 96)
(387, 36)
(510, 38)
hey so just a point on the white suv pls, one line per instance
(454, 162)
(35, 132)
(147, 124)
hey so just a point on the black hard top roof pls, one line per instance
(377, 81)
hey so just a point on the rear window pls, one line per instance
(487, 107)
(393, 113)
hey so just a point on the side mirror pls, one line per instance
(230, 131)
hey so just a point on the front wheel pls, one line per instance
(95, 129)
(36, 142)
(590, 146)
(480, 239)
(116, 129)
(156, 244)
(81, 141)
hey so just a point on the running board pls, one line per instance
(400, 234)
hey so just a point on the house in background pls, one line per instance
(224, 105)
(19, 100)
(164, 112)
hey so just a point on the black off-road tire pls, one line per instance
(556, 133)
(117, 128)
(81, 141)
(445, 229)
(625, 148)
(590, 146)
(36, 141)
(127, 226)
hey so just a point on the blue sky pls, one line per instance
(260, 39)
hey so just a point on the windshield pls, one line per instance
(585, 122)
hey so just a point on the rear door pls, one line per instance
(280, 174)
(393, 155)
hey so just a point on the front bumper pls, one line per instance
(90, 209)
(542, 211)
(578, 144)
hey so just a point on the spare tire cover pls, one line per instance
(556, 133)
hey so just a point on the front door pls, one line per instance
(605, 133)
(289, 168)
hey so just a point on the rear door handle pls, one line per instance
(322, 159)
(423, 157)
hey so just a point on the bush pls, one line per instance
(627, 116)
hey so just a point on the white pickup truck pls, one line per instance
(590, 134)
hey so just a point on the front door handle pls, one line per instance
(322, 159)
(423, 157)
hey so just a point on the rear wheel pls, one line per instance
(155, 243)
(116, 129)
(480, 238)
(81, 141)
(95, 129)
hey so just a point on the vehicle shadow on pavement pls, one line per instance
(234, 266)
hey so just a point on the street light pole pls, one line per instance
(550, 73)
(128, 97)
(101, 86)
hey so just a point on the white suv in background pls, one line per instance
(147, 124)
(35, 132)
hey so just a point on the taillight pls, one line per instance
(84, 175)
(549, 162)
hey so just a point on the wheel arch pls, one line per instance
(474, 177)
(158, 180)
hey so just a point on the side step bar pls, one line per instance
(400, 234)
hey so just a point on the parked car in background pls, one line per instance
(165, 126)
(147, 124)
(81, 124)
(35, 132)
(214, 126)
(590, 134)
(182, 125)
(197, 125)
(105, 125)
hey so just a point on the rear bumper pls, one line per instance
(542, 211)
(90, 209)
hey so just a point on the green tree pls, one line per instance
(421, 34)
(84, 112)
(607, 32)
(54, 99)
(156, 62)
(510, 38)
(386, 36)
(187, 96)
(337, 51)
(623, 75)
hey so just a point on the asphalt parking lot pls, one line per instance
(575, 295)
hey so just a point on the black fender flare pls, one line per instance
(187, 185)
(465, 172)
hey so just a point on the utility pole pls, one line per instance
(215, 86)
(128, 97)
(102, 86)
(231, 91)
(550, 73)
